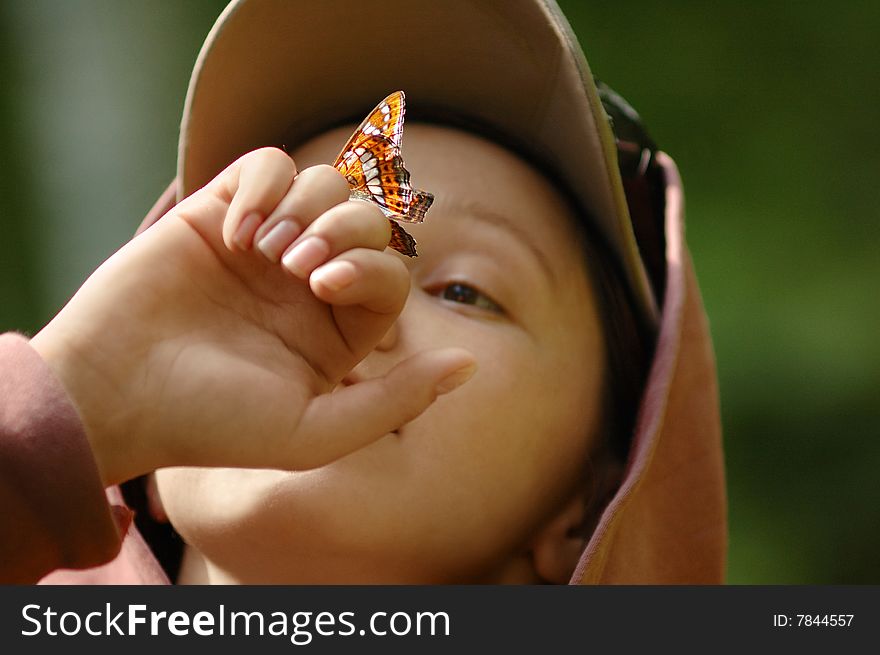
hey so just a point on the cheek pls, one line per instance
(507, 443)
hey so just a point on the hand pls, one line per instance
(191, 347)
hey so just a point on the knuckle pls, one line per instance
(272, 156)
(332, 183)
(359, 213)
(373, 209)
(368, 214)
(353, 225)
(315, 192)
(329, 173)
(335, 221)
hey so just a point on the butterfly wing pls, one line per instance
(401, 240)
(372, 164)
(386, 120)
(375, 171)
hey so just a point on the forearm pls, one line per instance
(53, 512)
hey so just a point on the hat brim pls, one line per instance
(280, 71)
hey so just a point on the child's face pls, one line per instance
(457, 494)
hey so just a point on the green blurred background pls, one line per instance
(772, 111)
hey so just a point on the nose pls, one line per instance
(389, 340)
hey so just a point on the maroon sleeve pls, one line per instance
(53, 511)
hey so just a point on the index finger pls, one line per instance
(252, 185)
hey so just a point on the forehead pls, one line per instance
(453, 153)
(460, 169)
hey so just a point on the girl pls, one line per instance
(271, 329)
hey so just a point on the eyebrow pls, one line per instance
(489, 215)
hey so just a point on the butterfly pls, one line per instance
(372, 164)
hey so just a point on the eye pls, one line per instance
(468, 295)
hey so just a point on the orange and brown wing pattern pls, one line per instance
(401, 240)
(385, 119)
(375, 171)
(372, 164)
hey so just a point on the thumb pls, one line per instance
(335, 424)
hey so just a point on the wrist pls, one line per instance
(91, 395)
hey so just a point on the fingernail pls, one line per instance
(456, 379)
(335, 275)
(305, 256)
(244, 235)
(277, 240)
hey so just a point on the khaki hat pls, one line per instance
(280, 71)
